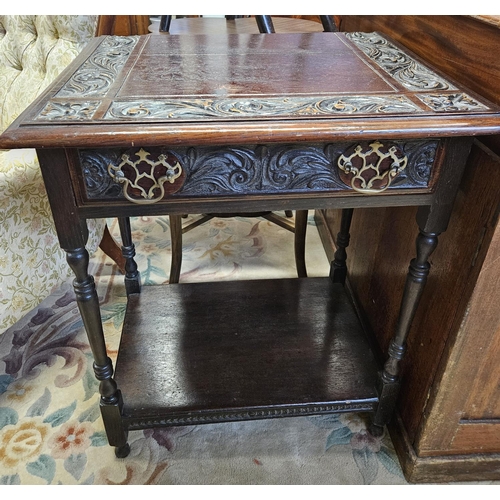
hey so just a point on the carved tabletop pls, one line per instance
(295, 77)
(156, 125)
(172, 80)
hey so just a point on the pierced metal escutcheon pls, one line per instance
(146, 180)
(371, 169)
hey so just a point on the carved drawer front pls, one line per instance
(146, 175)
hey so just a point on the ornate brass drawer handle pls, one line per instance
(144, 178)
(372, 170)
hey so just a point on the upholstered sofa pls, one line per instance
(33, 51)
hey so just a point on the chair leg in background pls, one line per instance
(176, 247)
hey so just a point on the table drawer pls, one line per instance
(147, 175)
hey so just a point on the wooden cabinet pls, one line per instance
(447, 426)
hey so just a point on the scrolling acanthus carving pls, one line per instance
(214, 171)
(448, 103)
(189, 109)
(99, 71)
(236, 108)
(69, 110)
(410, 73)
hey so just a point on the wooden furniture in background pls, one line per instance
(448, 413)
(217, 25)
(265, 24)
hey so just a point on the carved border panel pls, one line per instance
(100, 71)
(410, 73)
(252, 107)
(414, 75)
(93, 79)
(449, 103)
(149, 175)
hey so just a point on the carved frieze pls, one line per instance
(196, 109)
(148, 175)
(98, 182)
(99, 71)
(69, 110)
(410, 73)
(420, 162)
(449, 103)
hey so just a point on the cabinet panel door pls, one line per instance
(465, 414)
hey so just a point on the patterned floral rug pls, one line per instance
(50, 426)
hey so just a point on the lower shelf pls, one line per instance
(212, 352)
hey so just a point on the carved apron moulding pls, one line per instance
(367, 167)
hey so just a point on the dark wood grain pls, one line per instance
(123, 25)
(211, 349)
(445, 42)
(120, 135)
(378, 283)
(249, 64)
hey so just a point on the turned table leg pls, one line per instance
(88, 304)
(338, 270)
(415, 282)
(72, 232)
(432, 220)
(176, 247)
(132, 275)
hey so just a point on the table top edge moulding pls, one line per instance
(155, 125)
(417, 98)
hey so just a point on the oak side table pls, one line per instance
(155, 125)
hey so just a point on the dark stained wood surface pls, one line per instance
(207, 346)
(461, 46)
(471, 357)
(350, 93)
(123, 25)
(226, 66)
(377, 263)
